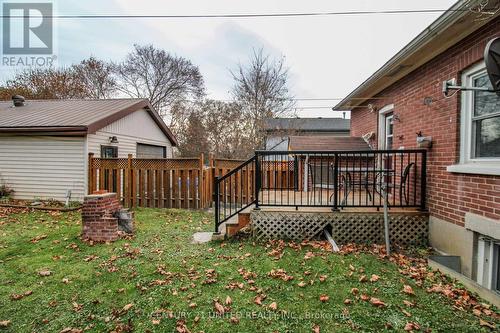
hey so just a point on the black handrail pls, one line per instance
(290, 178)
(223, 184)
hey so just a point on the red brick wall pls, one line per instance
(449, 195)
(98, 221)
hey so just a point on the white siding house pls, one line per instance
(46, 161)
(43, 166)
(137, 127)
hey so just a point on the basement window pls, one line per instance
(480, 126)
(488, 263)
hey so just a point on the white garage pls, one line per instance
(44, 145)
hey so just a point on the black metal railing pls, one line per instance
(336, 179)
(234, 191)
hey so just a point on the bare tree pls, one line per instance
(228, 129)
(91, 78)
(96, 76)
(212, 126)
(148, 72)
(49, 83)
(261, 89)
(193, 139)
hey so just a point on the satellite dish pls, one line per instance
(492, 61)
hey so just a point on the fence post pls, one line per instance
(423, 181)
(127, 181)
(335, 182)
(90, 170)
(201, 203)
(216, 203)
(257, 180)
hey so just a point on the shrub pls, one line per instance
(5, 191)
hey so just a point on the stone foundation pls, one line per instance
(99, 223)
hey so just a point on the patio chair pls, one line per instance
(404, 186)
(316, 182)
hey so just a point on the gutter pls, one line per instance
(449, 17)
(48, 130)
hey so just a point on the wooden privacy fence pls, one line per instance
(160, 183)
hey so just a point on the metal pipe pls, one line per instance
(386, 221)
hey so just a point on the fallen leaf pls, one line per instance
(487, 324)
(406, 313)
(257, 300)
(408, 303)
(324, 298)
(192, 305)
(316, 329)
(354, 291)
(302, 284)
(365, 297)
(44, 273)
(127, 307)
(309, 255)
(155, 321)
(5, 323)
(234, 320)
(408, 290)
(181, 327)
(376, 302)
(273, 306)
(374, 278)
(219, 308)
(410, 326)
(347, 301)
(229, 301)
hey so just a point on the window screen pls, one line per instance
(150, 151)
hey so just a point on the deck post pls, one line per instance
(335, 183)
(257, 180)
(423, 181)
(216, 203)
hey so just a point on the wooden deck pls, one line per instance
(323, 198)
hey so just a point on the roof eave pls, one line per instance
(456, 12)
(46, 130)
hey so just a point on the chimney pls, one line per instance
(18, 100)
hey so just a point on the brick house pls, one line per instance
(405, 97)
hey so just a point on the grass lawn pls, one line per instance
(158, 281)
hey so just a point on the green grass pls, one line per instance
(126, 272)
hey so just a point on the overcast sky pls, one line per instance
(328, 56)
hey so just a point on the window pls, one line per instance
(109, 152)
(150, 151)
(485, 120)
(480, 126)
(488, 263)
(388, 131)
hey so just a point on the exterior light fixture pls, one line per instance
(113, 139)
(428, 100)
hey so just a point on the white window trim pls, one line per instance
(381, 124)
(467, 164)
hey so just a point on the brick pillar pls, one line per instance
(99, 223)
